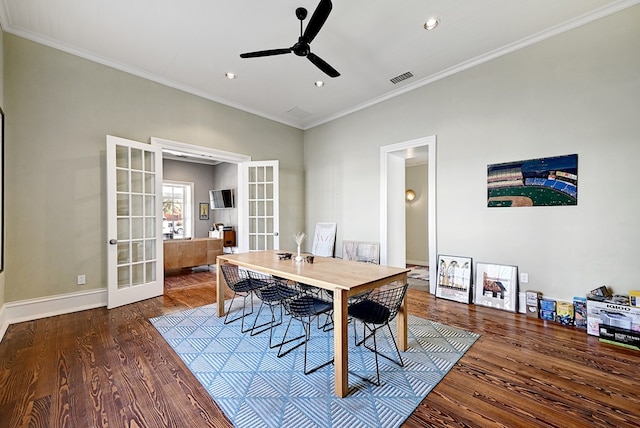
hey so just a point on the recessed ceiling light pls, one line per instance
(319, 83)
(230, 75)
(431, 23)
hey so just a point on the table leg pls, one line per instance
(340, 343)
(219, 288)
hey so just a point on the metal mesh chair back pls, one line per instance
(374, 312)
(241, 283)
(236, 279)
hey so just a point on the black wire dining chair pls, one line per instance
(272, 296)
(242, 285)
(374, 312)
(304, 307)
(328, 325)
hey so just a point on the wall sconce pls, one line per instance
(409, 195)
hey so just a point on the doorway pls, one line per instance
(393, 160)
(203, 155)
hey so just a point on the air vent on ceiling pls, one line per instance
(400, 78)
(299, 113)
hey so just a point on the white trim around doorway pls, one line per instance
(213, 155)
(392, 220)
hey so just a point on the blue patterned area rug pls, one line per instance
(255, 388)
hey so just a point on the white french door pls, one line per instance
(134, 232)
(261, 211)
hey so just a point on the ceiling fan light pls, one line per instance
(319, 83)
(431, 23)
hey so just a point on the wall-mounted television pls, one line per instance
(221, 199)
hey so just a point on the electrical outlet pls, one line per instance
(82, 279)
(524, 278)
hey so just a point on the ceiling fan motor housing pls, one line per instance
(301, 48)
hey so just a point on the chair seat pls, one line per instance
(244, 286)
(305, 306)
(370, 312)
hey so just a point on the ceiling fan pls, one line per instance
(302, 48)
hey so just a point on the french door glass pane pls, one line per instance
(260, 207)
(122, 208)
(123, 229)
(136, 211)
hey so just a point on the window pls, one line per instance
(177, 209)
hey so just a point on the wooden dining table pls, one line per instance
(344, 278)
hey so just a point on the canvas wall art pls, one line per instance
(536, 182)
(454, 278)
(324, 239)
(367, 252)
(496, 286)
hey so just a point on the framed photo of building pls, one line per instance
(497, 286)
(454, 278)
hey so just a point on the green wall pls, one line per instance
(59, 110)
(578, 92)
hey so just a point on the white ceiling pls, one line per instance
(191, 44)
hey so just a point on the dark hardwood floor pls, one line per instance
(101, 368)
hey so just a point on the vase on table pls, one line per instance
(299, 237)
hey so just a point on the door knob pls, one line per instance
(113, 241)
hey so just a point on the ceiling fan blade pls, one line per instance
(266, 53)
(317, 20)
(323, 65)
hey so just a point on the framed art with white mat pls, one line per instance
(454, 278)
(497, 286)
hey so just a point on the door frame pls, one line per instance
(213, 155)
(392, 205)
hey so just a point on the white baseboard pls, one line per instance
(418, 262)
(33, 309)
(4, 324)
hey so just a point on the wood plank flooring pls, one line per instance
(101, 368)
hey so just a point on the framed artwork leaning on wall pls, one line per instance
(497, 286)
(454, 278)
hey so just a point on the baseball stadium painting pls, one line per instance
(536, 182)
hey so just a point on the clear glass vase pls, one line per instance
(299, 257)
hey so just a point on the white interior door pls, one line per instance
(134, 204)
(261, 212)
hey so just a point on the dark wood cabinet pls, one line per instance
(229, 238)
(183, 253)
